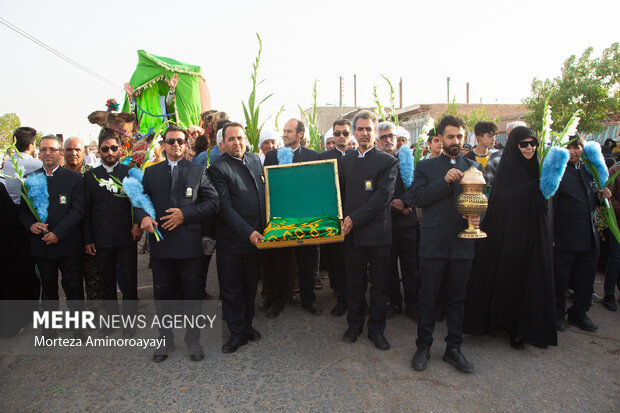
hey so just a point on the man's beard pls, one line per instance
(108, 163)
(453, 150)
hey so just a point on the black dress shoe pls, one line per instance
(380, 341)
(339, 309)
(274, 311)
(560, 324)
(517, 343)
(162, 353)
(350, 336)
(457, 359)
(583, 322)
(252, 334)
(313, 309)
(234, 342)
(609, 302)
(196, 353)
(420, 358)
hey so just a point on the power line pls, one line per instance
(57, 53)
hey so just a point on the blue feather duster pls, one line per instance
(135, 193)
(285, 156)
(136, 173)
(553, 168)
(592, 152)
(37, 192)
(405, 164)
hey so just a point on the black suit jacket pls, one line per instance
(107, 223)
(241, 187)
(574, 204)
(400, 192)
(301, 154)
(367, 185)
(65, 213)
(193, 194)
(441, 222)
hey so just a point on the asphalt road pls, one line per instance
(301, 364)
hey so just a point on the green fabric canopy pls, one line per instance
(151, 80)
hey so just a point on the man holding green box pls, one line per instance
(367, 180)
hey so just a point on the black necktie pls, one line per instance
(173, 189)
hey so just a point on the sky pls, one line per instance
(496, 46)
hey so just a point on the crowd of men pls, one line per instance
(394, 233)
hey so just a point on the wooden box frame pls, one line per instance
(301, 241)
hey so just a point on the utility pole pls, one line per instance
(355, 90)
(400, 91)
(448, 80)
(467, 92)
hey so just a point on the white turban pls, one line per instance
(328, 134)
(403, 133)
(268, 135)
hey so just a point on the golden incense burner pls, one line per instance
(472, 202)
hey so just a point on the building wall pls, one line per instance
(326, 115)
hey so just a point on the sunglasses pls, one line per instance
(344, 133)
(387, 136)
(52, 150)
(525, 144)
(112, 148)
(171, 141)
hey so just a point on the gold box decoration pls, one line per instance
(303, 204)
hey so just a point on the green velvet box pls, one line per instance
(303, 204)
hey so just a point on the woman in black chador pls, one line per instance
(511, 285)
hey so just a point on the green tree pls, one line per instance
(586, 83)
(8, 123)
(476, 115)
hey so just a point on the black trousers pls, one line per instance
(127, 258)
(72, 280)
(337, 276)
(206, 260)
(359, 260)
(239, 282)
(453, 274)
(178, 279)
(404, 249)
(582, 265)
(280, 277)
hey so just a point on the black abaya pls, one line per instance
(511, 284)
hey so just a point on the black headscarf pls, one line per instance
(511, 285)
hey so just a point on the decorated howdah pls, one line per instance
(303, 204)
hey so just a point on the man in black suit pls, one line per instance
(183, 196)
(240, 183)
(56, 244)
(367, 179)
(576, 243)
(293, 132)
(404, 236)
(335, 252)
(109, 233)
(444, 258)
